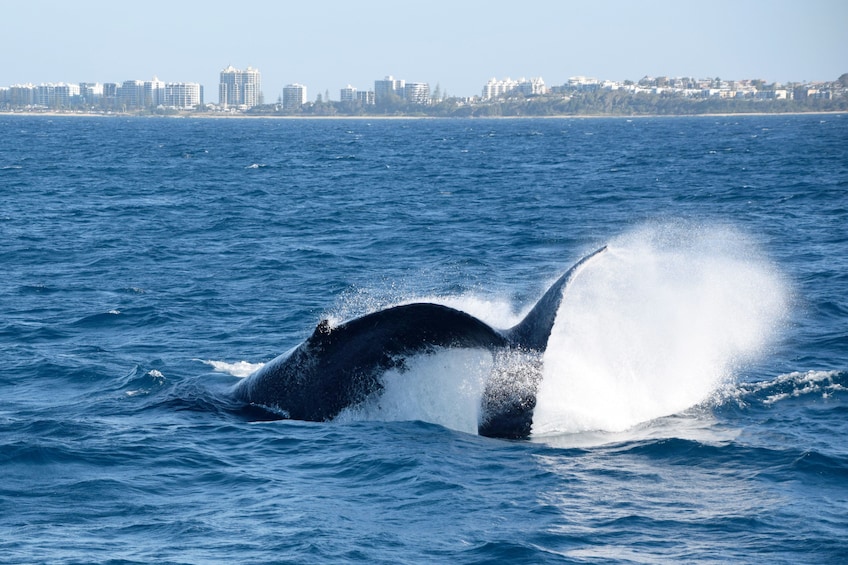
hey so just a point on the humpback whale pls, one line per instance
(340, 366)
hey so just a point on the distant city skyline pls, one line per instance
(455, 46)
(240, 90)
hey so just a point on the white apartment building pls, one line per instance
(56, 95)
(131, 94)
(495, 87)
(91, 92)
(388, 87)
(294, 96)
(182, 95)
(154, 93)
(532, 87)
(417, 92)
(240, 88)
(414, 92)
(351, 94)
(22, 94)
(347, 94)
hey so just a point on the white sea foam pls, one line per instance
(237, 369)
(156, 374)
(790, 385)
(655, 326)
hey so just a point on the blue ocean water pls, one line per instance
(693, 407)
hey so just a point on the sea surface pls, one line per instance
(694, 401)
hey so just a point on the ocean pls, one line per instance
(693, 404)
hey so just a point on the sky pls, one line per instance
(457, 45)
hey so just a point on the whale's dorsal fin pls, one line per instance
(535, 329)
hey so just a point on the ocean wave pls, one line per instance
(809, 384)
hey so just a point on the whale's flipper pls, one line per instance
(338, 367)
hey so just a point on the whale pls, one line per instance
(340, 366)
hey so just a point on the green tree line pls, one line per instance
(600, 103)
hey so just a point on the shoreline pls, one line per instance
(211, 116)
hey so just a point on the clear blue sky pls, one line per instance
(458, 44)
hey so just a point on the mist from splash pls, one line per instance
(656, 325)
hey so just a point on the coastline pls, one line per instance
(221, 116)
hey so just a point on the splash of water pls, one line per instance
(443, 388)
(655, 326)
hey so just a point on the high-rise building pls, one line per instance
(240, 88)
(182, 95)
(136, 94)
(110, 95)
(252, 87)
(131, 94)
(391, 88)
(154, 93)
(386, 89)
(365, 97)
(495, 88)
(229, 87)
(294, 96)
(347, 94)
(59, 95)
(417, 92)
(22, 95)
(532, 87)
(90, 93)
